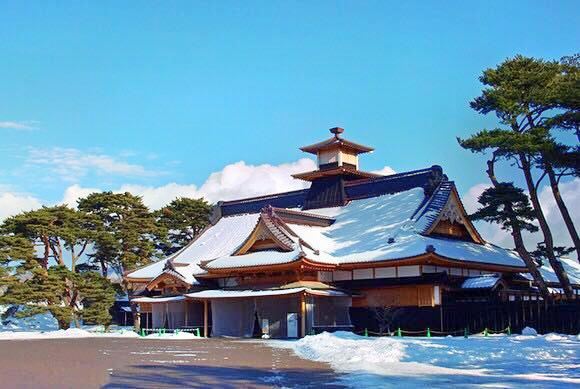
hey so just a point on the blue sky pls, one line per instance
(151, 95)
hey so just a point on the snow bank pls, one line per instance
(71, 333)
(529, 331)
(172, 336)
(93, 332)
(548, 361)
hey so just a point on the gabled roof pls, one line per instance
(269, 226)
(445, 204)
(169, 273)
(427, 179)
(336, 141)
(385, 219)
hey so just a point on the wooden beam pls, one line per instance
(205, 318)
(303, 314)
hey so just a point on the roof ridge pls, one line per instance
(393, 176)
(262, 197)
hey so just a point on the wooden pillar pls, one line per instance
(186, 313)
(205, 318)
(303, 314)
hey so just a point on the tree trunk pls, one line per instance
(529, 261)
(136, 317)
(519, 241)
(563, 209)
(63, 324)
(46, 255)
(545, 228)
(103, 267)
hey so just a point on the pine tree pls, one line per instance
(183, 219)
(129, 230)
(98, 296)
(46, 284)
(509, 207)
(522, 92)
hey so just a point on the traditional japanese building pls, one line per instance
(322, 258)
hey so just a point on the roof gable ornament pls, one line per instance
(453, 221)
(269, 233)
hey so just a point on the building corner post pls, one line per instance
(205, 318)
(303, 314)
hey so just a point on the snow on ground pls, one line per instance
(549, 361)
(91, 332)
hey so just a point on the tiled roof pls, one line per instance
(429, 214)
(428, 179)
(334, 142)
(483, 282)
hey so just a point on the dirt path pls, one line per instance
(137, 363)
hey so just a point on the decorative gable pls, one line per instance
(170, 280)
(270, 233)
(453, 222)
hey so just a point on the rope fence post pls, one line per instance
(366, 332)
(485, 332)
(509, 330)
(466, 333)
(428, 332)
(399, 334)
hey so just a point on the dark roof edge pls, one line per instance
(263, 197)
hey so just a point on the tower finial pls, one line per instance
(336, 131)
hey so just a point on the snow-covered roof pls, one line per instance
(149, 271)
(385, 228)
(259, 258)
(380, 228)
(219, 240)
(571, 266)
(483, 282)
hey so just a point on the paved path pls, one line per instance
(138, 363)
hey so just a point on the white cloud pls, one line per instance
(71, 164)
(14, 203)
(239, 180)
(571, 194)
(493, 233)
(386, 171)
(234, 181)
(19, 125)
(75, 192)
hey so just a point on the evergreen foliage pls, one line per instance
(129, 230)
(507, 206)
(532, 98)
(183, 219)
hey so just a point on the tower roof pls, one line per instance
(336, 141)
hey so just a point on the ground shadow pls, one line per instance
(155, 376)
